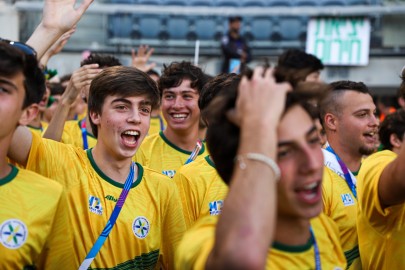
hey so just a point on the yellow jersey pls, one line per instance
(39, 130)
(72, 134)
(33, 218)
(201, 190)
(157, 124)
(198, 242)
(341, 206)
(158, 153)
(381, 230)
(149, 226)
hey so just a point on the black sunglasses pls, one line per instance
(28, 50)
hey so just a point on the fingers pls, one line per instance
(83, 7)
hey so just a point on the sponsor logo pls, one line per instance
(140, 227)
(111, 198)
(347, 199)
(216, 207)
(13, 233)
(169, 173)
(95, 205)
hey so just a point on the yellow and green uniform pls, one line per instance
(198, 242)
(157, 124)
(72, 134)
(201, 190)
(150, 224)
(33, 218)
(39, 130)
(381, 230)
(341, 206)
(158, 153)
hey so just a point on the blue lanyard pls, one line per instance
(346, 172)
(195, 152)
(84, 133)
(162, 125)
(111, 221)
(316, 251)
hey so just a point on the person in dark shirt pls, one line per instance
(234, 48)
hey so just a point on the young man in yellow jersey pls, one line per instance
(201, 189)
(34, 210)
(264, 223)
(347, 113)
(381, 214)
(165, 152)
(150, 223)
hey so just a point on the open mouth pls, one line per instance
(130, 137)
(371, 136)
(179, 116)
(310, 193)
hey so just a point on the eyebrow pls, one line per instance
(182, 91)
(124, 100)
(307, 134)
(9, 83)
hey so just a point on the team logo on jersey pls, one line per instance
(169, 173)
(347, 199)
(140, 227)
(216, 207)
(111, 198)
(13, 233)
(95, 205)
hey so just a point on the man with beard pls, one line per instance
(347, 113)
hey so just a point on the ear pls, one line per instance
(95, 118)
(395, 141)
(330, 122)
(29, 114)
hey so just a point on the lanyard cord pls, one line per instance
(316, 251)
(346, 172)
(84, 133)
(111, 221)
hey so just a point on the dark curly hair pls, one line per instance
(393, 124)
(174, 74)
(102, 60)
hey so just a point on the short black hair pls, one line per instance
(235, 18)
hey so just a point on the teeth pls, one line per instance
(179, 115)
(310, 186)
(131, 132)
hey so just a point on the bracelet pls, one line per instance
(262, 158)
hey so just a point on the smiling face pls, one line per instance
(300, 160)
(356, 124)
(180, 107)
(122, 124)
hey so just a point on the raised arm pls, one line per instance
(80, 79)
(57, 18)
(56, 47)
(141, 57)
(245, 230)
(391, 185)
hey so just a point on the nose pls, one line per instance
(178, 102)
(312, 159)
(134, 117)
(374, 121)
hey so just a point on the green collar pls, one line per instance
(10, 176)
(108, 179)
(178, 148)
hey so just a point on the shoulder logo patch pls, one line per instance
(347, 199)
(140, 227)
(13, 233)
(216, 207)
(95, 205)
(169, 173)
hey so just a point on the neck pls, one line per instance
(117, 170)
(351, 160)
(4, 167)
(36, 122)
(292, 232)
(184, 140)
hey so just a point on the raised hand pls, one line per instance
(141, 57)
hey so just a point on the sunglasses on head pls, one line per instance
(28, 50)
